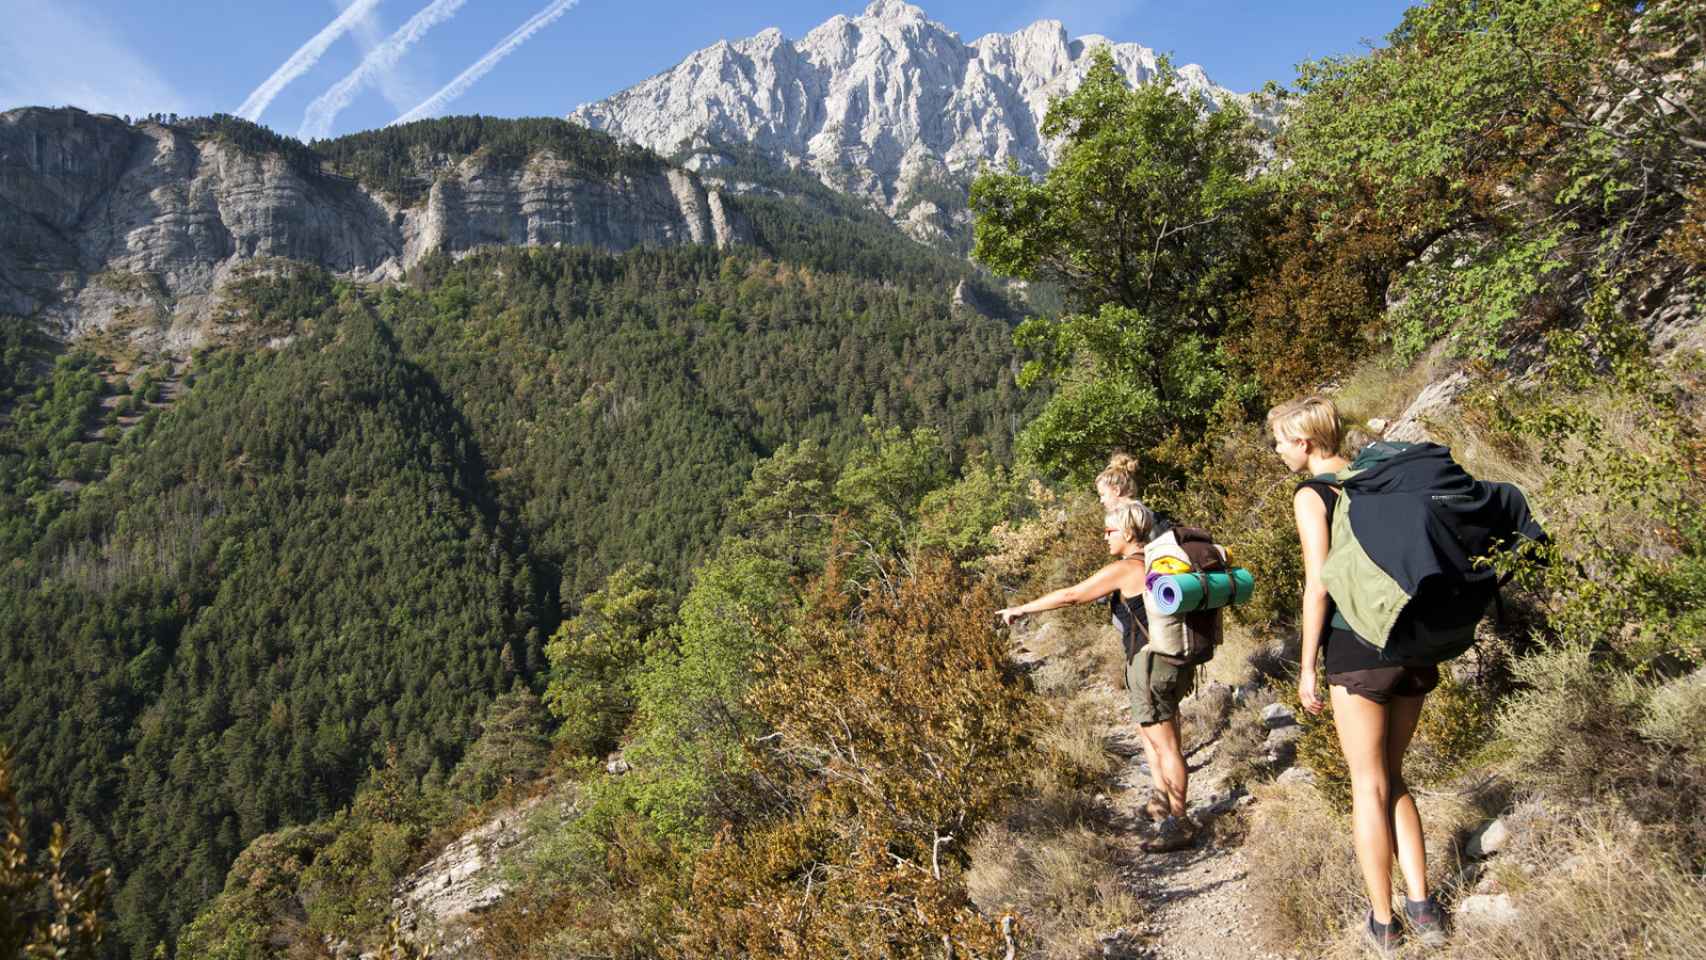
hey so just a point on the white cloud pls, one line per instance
(57, 54)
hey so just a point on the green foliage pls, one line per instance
(593, 657)
(259, 900)
(1146, 219)
(347, 888)
(367, 535)
(1507, 141)
(293, 567)
(45, 912)
(693, 724)
(598, 389)
(1625, 501)
(961, 517)
(514, 747)
(886, 479)
(399, 161)
(786, 506)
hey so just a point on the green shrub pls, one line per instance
(595, 655)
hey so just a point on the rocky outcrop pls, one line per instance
(887, 105)
(106, 224)
(436, 902)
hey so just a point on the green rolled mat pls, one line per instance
(1186, 592)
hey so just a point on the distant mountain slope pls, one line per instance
(890, 106)
(135, 228)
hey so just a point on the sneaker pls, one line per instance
(1173, 833)
(1157, 808)
(1382, 938)
(1427, 920)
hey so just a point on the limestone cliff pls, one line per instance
(106, 224)
(889, 105)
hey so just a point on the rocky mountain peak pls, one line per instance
(895, 11)
(888, 105)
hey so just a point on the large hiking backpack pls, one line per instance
(1185, 639)
(1408, 566)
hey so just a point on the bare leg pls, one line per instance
(1402, 715)
(1362, 726)
(1150, 756)
(1167, 762)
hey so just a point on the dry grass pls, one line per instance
(1304, 887)
(1077, 739)
(1597, 886)
(1485, 448)
(1306, 892)
(1380, 388)
(1241, 744)
(1057, 869)
(1243, 651)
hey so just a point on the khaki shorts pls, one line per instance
(1156, 687)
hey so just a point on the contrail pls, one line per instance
(484, 65)
(317, 121)
(303, 59)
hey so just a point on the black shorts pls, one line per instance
(1381, 684)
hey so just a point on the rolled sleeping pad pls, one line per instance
(1184, 593)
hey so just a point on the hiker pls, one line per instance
(1155, 685)
(1118, 481)
(1376, 703)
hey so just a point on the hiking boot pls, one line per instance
(1427, 920)
(1382, 938)
(1157, 808)
(1173, 833)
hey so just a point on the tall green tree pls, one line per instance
(1145, 221)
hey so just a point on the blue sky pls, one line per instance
(203, 56)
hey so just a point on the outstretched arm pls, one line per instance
(1094, 587)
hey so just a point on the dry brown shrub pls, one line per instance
(1311, 309)
(1687, 241)
(900, 727)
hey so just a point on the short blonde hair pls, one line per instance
(1120, 477)
(1313, 418)
(1131, 518)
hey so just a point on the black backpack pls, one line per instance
(1408, 513)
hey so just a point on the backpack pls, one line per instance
(1184, 639)
(1409, 537)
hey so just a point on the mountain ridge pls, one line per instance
(135, 228)
(884, 106)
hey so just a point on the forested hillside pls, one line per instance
(223, 610)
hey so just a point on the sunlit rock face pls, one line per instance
(106, 223)
(888, 105)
